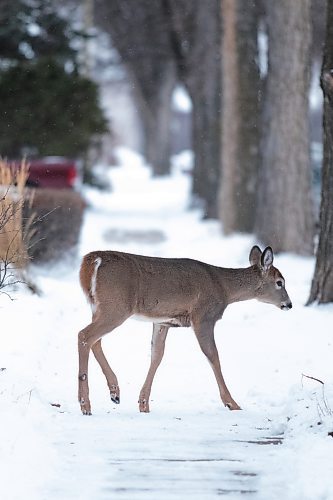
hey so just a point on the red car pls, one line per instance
(53, 172)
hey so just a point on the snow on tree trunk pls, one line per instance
(240, 116)
(322, 283)
(285, 213)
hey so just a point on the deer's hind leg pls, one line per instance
(157, 352)
(87, 339)
(108, 373)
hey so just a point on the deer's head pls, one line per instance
(271, 287)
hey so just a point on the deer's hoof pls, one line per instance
(115, 394)
(143, 406)
(115, 398)
(233, 406)
(85, 406)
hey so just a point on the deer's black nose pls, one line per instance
(286, 306)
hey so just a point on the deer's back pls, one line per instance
(151, 285)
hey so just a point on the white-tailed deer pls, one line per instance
(169, 293)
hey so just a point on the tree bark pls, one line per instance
(240, 116)
(156, 121)
(284, 216)
(156, 113)
(195, 35)
(206, 137)
(322, 283)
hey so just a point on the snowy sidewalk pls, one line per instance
(189, 446)
(164, 456)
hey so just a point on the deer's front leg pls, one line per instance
(205, 334)
(157, 351)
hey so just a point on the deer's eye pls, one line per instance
(279, 284)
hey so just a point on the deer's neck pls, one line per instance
(240, 284)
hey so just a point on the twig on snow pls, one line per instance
(312, 378)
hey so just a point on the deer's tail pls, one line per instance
(88, 276)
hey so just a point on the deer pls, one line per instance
(168, 292)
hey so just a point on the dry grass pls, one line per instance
(13, 239)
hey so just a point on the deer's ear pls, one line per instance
(255, 256)
(267, 258)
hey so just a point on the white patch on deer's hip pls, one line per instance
(98, 262)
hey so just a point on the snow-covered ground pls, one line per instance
(189, 446)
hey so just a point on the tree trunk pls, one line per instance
(156, 115)
(204, 85)
(284, 216)
(322, 283)
(206, 126)
(195, 37)
(240, 115)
